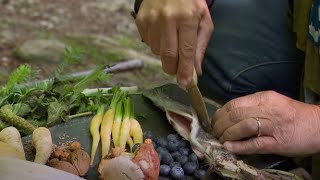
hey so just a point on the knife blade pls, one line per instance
(198, 104)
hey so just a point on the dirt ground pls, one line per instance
(22, 20)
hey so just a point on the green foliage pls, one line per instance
(51, 102)
(18, 76)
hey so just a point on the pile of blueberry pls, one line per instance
(177, 160)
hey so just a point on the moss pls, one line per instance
(94, 52)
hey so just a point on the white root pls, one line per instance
(11, 136)
(42, 141)
(7, 150)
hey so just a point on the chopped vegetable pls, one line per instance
(8, 116)
(94, 130)
(42, 141)
(106, 125)
(125, 125)
(11, 136)
(117, 123)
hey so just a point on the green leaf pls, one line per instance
(56, 113)
(21, 109)
(19, 75)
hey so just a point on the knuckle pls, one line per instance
(168, 55)
(227, 134)
(231, 104)
(235, 115)
(187, 50)
(269, 96)
(251, 126)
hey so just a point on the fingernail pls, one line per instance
(228, 146)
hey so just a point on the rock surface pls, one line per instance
(41, 50)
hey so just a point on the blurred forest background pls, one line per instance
(36, 32)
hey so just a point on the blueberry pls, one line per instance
(177, 173)
(190, 167)
(184, 144)
(173, 145)
(199, 173)
(184, 151)
(173, 164)
(193, 158)
(166, 159)
(161, 150)
(154, 145)
(162, 142)
(182, 159)
(172, 137)
(164, 170)
(148, 135)
(175, 155)
(135, 147)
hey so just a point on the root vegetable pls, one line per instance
(117, 123)
(64, 156)
(53, 162)
(130, 142)
(106, 126)
(125, 125)
(94, 130)
(76, 145)
(42, 141)
(11, 136)
(7, 150)
(66, 166)
(119, 168)
(148, 160)
(57, 152)
(80, 160)
(136, 131)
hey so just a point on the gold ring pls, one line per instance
(259, 127)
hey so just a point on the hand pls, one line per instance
(288, 127)
(178, 31)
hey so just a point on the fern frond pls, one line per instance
(98, 75)
(18, 76)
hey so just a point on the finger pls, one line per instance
(228, 119)
(245, 101)
(154, 38)
(187, 48)
(169, 46)
(204, 34)
(245, 129)
(260, 145)
(142, 26)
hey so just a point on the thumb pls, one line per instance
(204, 33)
(263, 144)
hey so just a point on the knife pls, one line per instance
(197, 102)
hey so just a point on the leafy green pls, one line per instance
(50, 102)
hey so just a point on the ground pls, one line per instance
(103, 28)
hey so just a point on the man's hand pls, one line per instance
(178, 31)
(288, 127)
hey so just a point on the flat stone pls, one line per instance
(42, 50)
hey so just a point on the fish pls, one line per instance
(174, 101)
